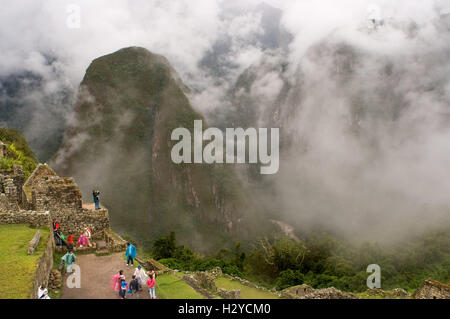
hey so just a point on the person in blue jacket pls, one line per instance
(123, 287)
(95, 194)
(130, 253)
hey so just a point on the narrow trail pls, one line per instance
(96, 273)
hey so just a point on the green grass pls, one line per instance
(389, 294)
(170, 287)
(17, 268)
(246, 292)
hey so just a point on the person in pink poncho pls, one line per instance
(115, 281)
(88, 234)
(83, 241)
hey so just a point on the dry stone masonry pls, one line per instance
(45, 196)
(32, 218)
(44, 267)
(2, 149)
(432, 289)
(34, 242)
(11, 182)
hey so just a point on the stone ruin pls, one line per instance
(306, 292)
(11, 182)
(45, 191)
(432, 289)
(2, 150)
(34, 242)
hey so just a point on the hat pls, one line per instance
(139, 267)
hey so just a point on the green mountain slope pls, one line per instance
(119, 141)
(17, 151)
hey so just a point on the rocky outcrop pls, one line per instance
(203, 204)
(432, 289)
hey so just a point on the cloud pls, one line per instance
(366, 112)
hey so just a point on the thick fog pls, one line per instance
(360, 90)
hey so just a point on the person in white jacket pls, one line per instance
(43, 293)
(141, 276)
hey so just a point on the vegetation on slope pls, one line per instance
(17, 268)
(322, 261)
(17, 151)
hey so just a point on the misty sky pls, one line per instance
(394, 170)
(180, 30)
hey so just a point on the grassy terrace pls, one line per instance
(171, 287)
(17, 268)
(246, 292)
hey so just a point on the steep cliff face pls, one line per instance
(119, 141)
(348, 109)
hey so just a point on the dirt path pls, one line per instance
(96, 273)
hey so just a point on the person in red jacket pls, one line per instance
(151, 285)
(69, 241)
(55, 225)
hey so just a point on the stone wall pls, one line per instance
(41, 172)
(70, 222)
(114, 242)
(229, 294)
(151, 264)
(197, 286)
(307, 292)
(297, 291)
(44, 268)
(204, 282)
(32, 218)
(57, 193)
(34, 242)
(250, 284)
(78, 250)
(46, 196)
(75, 221)
(2, 149)
(11, 182)
(45, 191)
(432, 289)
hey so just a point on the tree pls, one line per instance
(165, 247)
